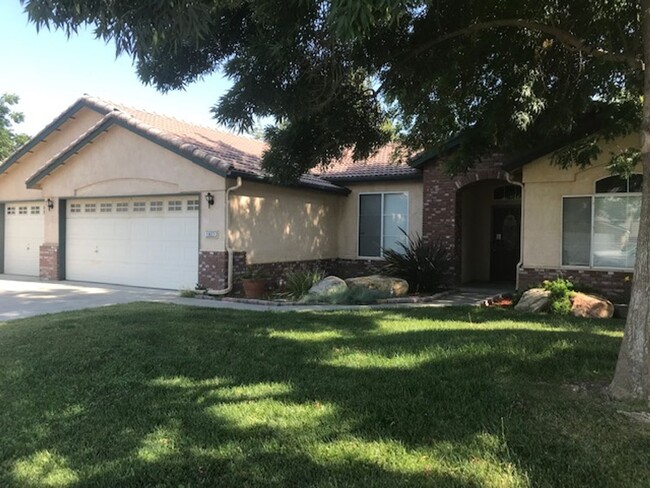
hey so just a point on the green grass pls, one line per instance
(162, 395)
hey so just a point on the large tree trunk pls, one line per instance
(632, 377)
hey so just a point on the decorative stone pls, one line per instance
(328, 286)
(395, 287)
(591, 306)
(534, 300)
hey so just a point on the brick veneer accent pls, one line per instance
(49, 262)
(213, 269)
(614, 285)
(441, 209)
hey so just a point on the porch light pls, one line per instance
(49, 203)
(209, 197)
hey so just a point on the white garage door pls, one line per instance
(24, 234)
(151, 242)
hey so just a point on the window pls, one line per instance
(507, 192)
(601, 230)
(175, 206)
(121, 207)
(105, 207)
(139, 206)
(382, 217)
(90, 208)
(35, 210)
(11, 210)
(75, 208)
(192, 205)
(156, 207)
(22, 210)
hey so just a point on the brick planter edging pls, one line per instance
(610, 284)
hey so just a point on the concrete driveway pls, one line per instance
(23, 297)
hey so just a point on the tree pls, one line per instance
(506, 74)
(9, 139)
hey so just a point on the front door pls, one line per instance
(505, 243)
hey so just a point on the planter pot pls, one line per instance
(254, 288)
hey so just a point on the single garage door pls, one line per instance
(24, 234)
(152, 242)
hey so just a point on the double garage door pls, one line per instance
(151, 242)
(24, 234)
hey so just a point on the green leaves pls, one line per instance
(9, 139)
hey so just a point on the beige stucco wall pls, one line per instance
(121, 163)
(12, 182)
(348, 219)
(278, 224)
(545, 185)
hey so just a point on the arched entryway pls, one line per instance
(488, 230)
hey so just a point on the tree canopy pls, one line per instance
(344, 74)
(9, 139)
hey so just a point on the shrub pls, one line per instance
(299, 281)
(422, 264)
(561, 293)
(351, 296)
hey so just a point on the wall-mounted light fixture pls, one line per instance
(209, 197)
(49, 203)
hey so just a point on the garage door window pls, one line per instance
(139, 206)
(90, 208)
(156, 206)
(11, 210)
(122, 207)
(175, 206)
(192, 205)
(22, 210)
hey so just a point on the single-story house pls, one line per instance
(111, 194)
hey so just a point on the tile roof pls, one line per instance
(380, 166)
(225, 153)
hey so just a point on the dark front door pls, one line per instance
(505, 248)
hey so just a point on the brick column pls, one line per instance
(49, 263)
(213, 268)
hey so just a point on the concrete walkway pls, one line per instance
(24, 297)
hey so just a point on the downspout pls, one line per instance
(229, 249)
(520, 264)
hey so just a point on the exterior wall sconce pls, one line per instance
(209, 197)
(49, 203)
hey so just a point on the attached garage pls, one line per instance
(24, 234)
(150, 242)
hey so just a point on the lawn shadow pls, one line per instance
(162, 395)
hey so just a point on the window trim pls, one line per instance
(591, 266)
(358, 211)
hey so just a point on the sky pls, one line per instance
(49, 72)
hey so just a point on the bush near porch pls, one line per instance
(162, 395)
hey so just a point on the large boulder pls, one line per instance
(331, 285)
(591, 306)
(394, 287)
(534, 300)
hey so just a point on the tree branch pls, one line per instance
(566, 38)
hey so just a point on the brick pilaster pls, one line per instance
(49, 268)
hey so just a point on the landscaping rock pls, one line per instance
(328, 286)
(395, 287)
(534, 300)
(591, 306)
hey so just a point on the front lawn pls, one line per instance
(163, 395)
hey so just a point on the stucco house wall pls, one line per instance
(545, 185)
(274, 224)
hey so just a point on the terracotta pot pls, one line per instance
(254, 288)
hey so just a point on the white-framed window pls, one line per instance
(139, 206)
(75, 208)
(90, 208)
(192, 205)
(105, 207)
(22, 210)
(601, 230)
(175, 206)
(121, 207)
(382, 218)
(156, 207)
(11, 210)
(35, 210)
